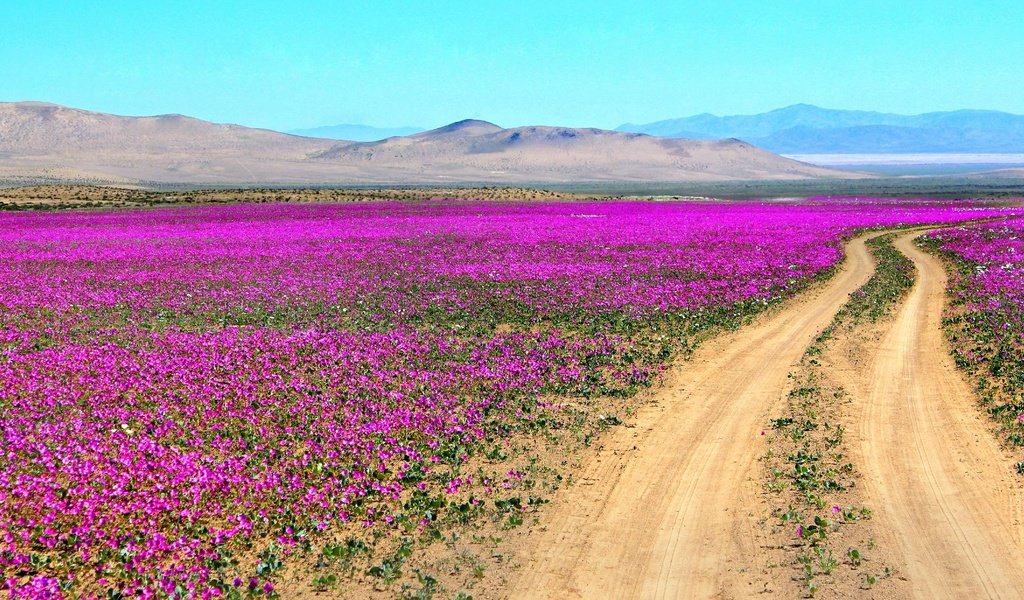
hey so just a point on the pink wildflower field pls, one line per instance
(195, 400)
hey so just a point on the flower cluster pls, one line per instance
(986, 325)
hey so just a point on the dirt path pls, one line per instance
(668, 508)
(940, 487)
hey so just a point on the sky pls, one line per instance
(286, 65)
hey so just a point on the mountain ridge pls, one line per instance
(43, 138)
(806, 129)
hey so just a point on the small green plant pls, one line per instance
(390, 569)
(807, 562)
(324, 582)
(812, 589)
(826, 562)
(791, 515)
(815, 532)
(269, 561)
(854, 555)
(428, 587)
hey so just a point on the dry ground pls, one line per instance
(670, 509)
(946, 501)
(86, 196)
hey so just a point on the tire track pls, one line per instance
(941, 488)
(669, 508)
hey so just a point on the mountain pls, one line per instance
(806, 129)
(61, 143)
(355, 133)
(478, 151)
(37, 128)
(57, 142)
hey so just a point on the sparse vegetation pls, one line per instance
(808, 469)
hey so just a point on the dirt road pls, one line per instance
(667, 510)
(940, 487)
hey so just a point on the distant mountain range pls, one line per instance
(806, 129)
(356, 133)
(56, 142)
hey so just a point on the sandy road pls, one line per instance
(934, 475)
(668, 509)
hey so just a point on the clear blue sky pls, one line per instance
(389, 63)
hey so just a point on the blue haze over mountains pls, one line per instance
(807, 129)
(355, 133)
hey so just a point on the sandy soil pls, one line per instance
(947, 505)
(669, 508)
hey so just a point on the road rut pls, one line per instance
(667, 510)
(941, 488)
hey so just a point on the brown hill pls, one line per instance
(44, 129)
(476, 149)
(46, 140)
